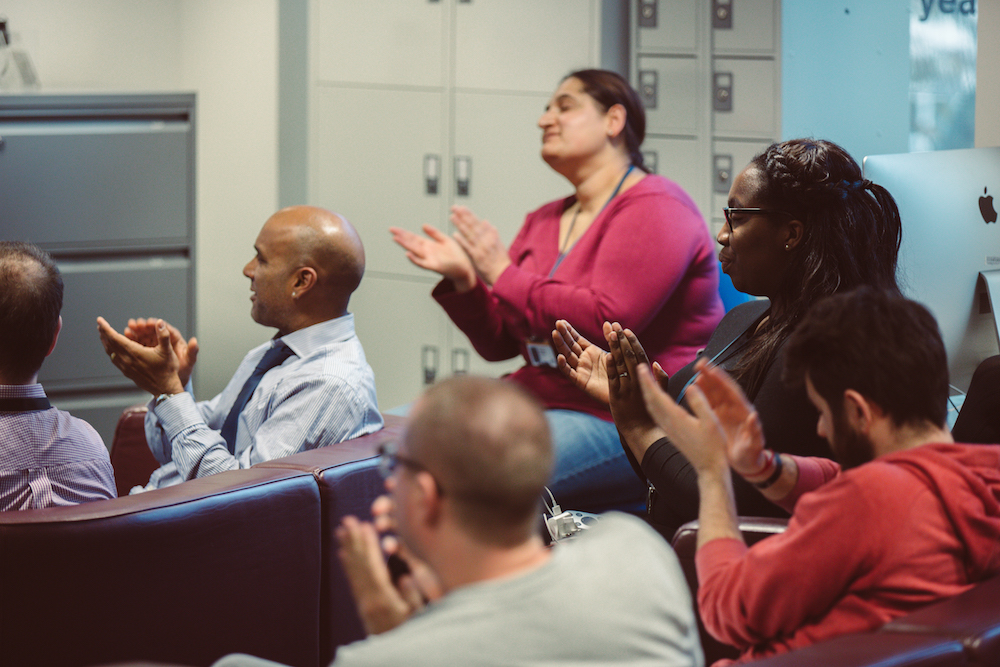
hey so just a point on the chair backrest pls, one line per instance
(349, 480)
(227, 563)
(130, 456)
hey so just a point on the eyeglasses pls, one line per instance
(389, 459)
(729, 212)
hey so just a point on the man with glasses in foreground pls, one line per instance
(465, 486)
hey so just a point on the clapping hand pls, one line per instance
(581, 361)
(143, 331)
(481, 242)
(437, 252)
(383, 603)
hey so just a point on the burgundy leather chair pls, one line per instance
(130, 456)
(685, 544)
(181, 575)
(349, 480)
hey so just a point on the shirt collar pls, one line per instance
(305, 341)
(21, 391)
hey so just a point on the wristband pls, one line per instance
(774, 475)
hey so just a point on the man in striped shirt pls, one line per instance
(47, 457)
(310, 386)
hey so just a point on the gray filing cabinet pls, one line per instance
(105, 183)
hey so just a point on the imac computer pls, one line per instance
(950, 237)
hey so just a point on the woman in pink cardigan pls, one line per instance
(568, 262)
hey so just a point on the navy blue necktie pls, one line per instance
(273, 357)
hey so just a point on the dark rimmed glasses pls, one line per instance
(389, 459)
(729, 212)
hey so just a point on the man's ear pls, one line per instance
(859, 412)
(430, 498)
(305, 279)
(55, 337)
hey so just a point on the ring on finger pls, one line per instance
(112, 356)
(623, 375)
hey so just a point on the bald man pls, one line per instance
(464, 503)
(308, 387)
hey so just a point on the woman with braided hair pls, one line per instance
(802, 224)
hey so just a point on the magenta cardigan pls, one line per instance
(647, 261)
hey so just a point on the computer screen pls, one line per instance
(950, 235)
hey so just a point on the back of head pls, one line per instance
(851, 233)
(882, 345)
(488, 445)
(608, 89)
(31, 294)
(329, 243)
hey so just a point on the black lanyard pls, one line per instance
(24, 404)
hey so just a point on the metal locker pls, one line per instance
(677, 93)
(745, 27)
(750, 87)
(668, 26)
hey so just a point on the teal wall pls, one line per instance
(846, 73)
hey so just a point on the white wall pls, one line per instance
(81, 44)
(227, 52)
(846, 73)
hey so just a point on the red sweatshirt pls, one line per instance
(872, 544)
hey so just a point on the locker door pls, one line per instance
(668, 26)
(670, 88)
(495, 39)
(729, 158)
(368, 162)
(746, 27)
(389, 42)
(747, 89)
(402, 330)
(684, 162)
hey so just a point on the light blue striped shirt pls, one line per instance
(321, 395)
(49, 458)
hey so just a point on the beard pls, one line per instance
(850, 448)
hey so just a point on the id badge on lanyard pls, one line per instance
(540, 353)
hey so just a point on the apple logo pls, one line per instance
(986, 208)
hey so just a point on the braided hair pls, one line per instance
(851, 237)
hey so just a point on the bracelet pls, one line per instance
(774, 475)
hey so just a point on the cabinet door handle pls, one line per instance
(432, 172)
(647, 88)
(722, 14)
(723, 176)
(722, 93)
(650, 159)
(459, 361)
(463, 175)
(647, 14)
(429, 361)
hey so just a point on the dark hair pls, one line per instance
(851, 236)
(608, 89)
(31, 294)
(878, 343)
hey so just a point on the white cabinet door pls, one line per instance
(367, 154)
(676, 25)
(523, 46)
(402, 329)
(386, 42)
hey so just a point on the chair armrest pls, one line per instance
(131, 459)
